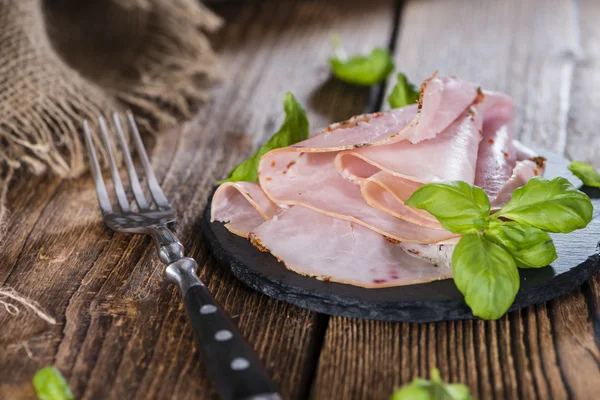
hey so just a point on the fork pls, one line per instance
(232, 361)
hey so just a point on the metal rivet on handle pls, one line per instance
(239, 364)
(223, 335)
(208, 309)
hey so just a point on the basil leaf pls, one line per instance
(486, 274)
(552, 205)
(293, 130)
(49, 384)
(458, 206)
(436, 389)
(586, 173)
(530, 247)
(458, 391)
(412, 392)
(404, 93)
(362, 70)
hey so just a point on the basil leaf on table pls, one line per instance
(293, 130)
(486, 275)
(404, 93)
(530, 247)
(435, 389)
(552, 205)
(49, 384)
(584, 171)
(458, 206)
(362, 70)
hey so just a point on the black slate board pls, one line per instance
(578, 259)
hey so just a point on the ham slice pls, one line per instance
(310, 180)
(333, 207)
(243, 205)
(352, 254)
(441, 101)
(451, 155)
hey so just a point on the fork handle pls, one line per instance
(233, 363)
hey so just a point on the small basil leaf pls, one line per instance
(530, 247)
(486, 274)
(404, 93)
(458, 206)
(458, 391)
(363, 70)
(412, 392)
(552, 205)
(436, 389)
(293, 130)
(588, 175)
(49, 384)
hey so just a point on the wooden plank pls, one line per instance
(121, 330)
(530, 50)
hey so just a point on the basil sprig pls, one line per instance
(363, 70)
(530, 247)
(404, 93)
(470, 205)
(486, 258)
(434, 389)
(584, 171)
(553, 206)
(293, 130)
(49, 384)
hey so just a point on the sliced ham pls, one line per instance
(524, 170)
(336, 250)
(441, 101)
(243, 206)
(451, 155)
(311, 181)
(497, 156)
(333, 206)
(439, 254)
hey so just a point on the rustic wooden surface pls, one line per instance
(121, 330)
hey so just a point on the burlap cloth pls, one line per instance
(65, 60)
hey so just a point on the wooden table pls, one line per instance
(122, 332)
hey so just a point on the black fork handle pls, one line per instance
(233, 363)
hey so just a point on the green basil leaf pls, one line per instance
(49, 384)
(530, 247)
(552, 205)
(293, 130)
(412, 392)
(436, 389)
(584, 171)
(486, 274)
(363, 70)
(458, 391)
(404, 93)
(458, 206)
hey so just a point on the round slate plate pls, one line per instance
(578, 259)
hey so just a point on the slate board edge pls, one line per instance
(404, 311)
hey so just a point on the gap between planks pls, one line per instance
(374, 103)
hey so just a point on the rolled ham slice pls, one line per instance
(243, 206)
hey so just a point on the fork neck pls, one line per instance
(169, 248)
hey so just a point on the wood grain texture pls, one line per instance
(532, 51)
(121, 330)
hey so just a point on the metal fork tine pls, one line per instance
(114, 171)
(103, 198)
(136, 187)
(157, 193)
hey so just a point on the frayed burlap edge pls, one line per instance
(44, 98)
